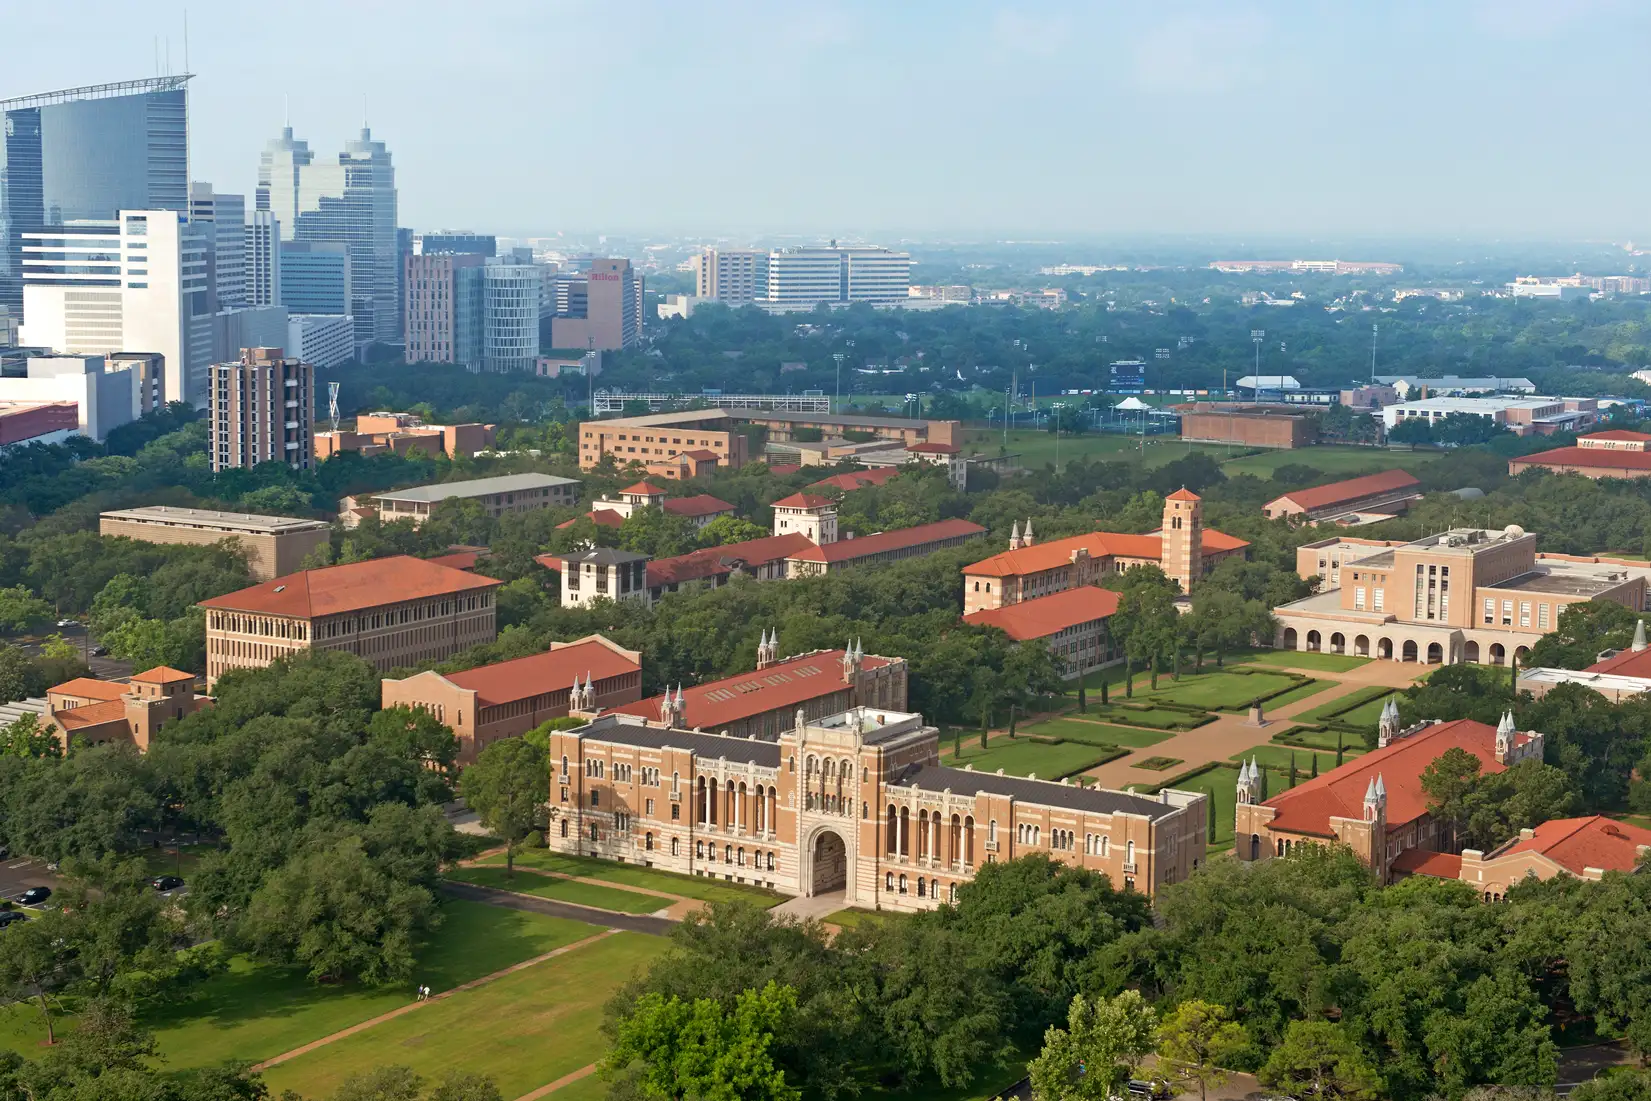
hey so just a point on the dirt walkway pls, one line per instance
(411, 1006)
(565, 1080)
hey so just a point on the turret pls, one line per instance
(1375, 800)
(1249, 783)
(1639, 637)
(1388, 727)
(1506, 735)
(766, 647)
(1014, 536)
(852, 657)
(1026, 536)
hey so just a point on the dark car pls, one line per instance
(100, 651)
(34, 896)
(166, 883)
(8, 917)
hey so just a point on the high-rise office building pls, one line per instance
(351, 201)
(732, 275)
(262, 411)
(510, 317)
(263, 259)
(85, 153)
(456, 241)
(802, 278)
(612, 315)
(226, 260)
(135, 283)
(444, 305)
(315, 277)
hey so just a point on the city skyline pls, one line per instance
(1070, 120)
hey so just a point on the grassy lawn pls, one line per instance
(256, 1011)
(592, 1087)
(1277, 758)
(1023, 757)
(1368, 713)
(525, 1030)
(169, 860)
(1220, 783)
(1305, 659)
(853, 917)
(1075, 728)
(1353, 744)
(562, 890)
(1219, 690)
(1156, 717)
(636, 875)
(1643, 821)
(1330, 460)
(1038, 448)
(1299, 692)
(1353, 701)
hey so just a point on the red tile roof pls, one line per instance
(1424, 862)
(90, 688)
(1045, 615)
(458, 560)
(702, 504)
(934, 448)
(1183, 494)
(602, 518)
(804, 500)
(847, 550)
(1628, 663)
(91, 714)
(1580, 843)
(162, 674)
(1308, 807)
(352, 587)
(1619, 434)
(1345, 492)
(783, 685)
(857, 479)
(784, 468)
(536, 674)
(718, 561)
(702, 454)
(1602, 458)
(1099, 544)
(644, 489)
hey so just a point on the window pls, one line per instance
(1376, 602)
(595, 835)
(1490, 610)
(1542, 616)
(676, 846)
(699, 850)
(595, 798)
(888, 881)
(1524, 613)
(621, 822)
(650, 808)
(1507, 613)
(991, 831)
(676, 812)
(564, 795)
(1358, 598)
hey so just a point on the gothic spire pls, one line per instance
(1639, 637)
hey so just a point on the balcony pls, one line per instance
(1129, 867)
(991, 846)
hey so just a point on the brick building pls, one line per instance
(1617, 453)
(1584, 848)
(404, 433)
(1356, 500)
(274, 545)
(659, 437)
(497, 496)
(390, 611)
(91, 712)
(1247, 425)
(1071, 623)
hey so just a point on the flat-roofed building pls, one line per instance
(497, 496)
(852, 802)
(509, 698)
(1617, 675)
(274, 545)
(1523, 416)
(391, 612)
(1072, 624)
(601, 573)
(1468, 594)
(662, 436)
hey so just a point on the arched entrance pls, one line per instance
(1498, 655)
(1470, 652)
(1361, 646)
(1435, 653)
(1338, 643)
(1410, 650)
(828, 864)
(1384, 649)
(1313, 640)
(1289, 638)
(1519, 654)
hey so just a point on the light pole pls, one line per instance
(1256, 337)
(838, 356)
(1374, 327)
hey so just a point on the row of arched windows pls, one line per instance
(759, 859)
(952, 842)
(926, 888)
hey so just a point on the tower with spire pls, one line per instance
(1014, 536)
(1387, 728)
(766, 649)
(1638, 645)
(1249, 784)
(1375, 802)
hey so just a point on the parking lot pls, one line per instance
(18, 874)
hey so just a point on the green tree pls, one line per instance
(1197, 1041)
(21, 610)
(508, 787)
(730, 529)
(385, 1083)
(32, 955)
(1583, 631)
(673, 1050)
(19, 676)
(1095, 1055)
(1317, 1062)
(24, 737)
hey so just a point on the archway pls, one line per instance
(1519, 654)
(1313, 641)
(1361, 646)
(829, 866)
(1409, 650)
(1498, 655)
(1470, 652)
(1289, 638)
(1384, 649)
(1255, 846)
(1435, 654)
(1338, 643)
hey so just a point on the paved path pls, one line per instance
(633, 923)
(803, 907)
(411, 1006)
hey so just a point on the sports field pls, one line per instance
(1332, 460)
(1038, 449)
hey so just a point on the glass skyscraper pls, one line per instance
(87, 153)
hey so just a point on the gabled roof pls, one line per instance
(162, 674)
(1424, 862)
(644, 489)
(1346, 492)
(1308, 807)
(1046, 615)
(552, 671)
(91, 714)
(1047, 793)
(784, 468)
(1577, 844)
(928, 448)
(1099, 544)
(702, 504)
(90, 688)
(1618, 434)
(717, 561)
(857, 479)
(703, 454)
(334, 590)
(1628, 663)
(805, 500)
(458, 560)
(784, 684)
(1603, 458)
(1183, 494)
(847, 550)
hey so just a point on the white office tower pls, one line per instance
(263, 260)
(510, 317)
(802, 278)
(106, 394)
(226, 262)
(351, 200)
(137, 283)
(324, 340)
(732, 275)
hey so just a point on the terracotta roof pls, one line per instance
(1308, 807)
(645, 489)
(702, 454)
(550, 561)
(1601, 457)
(804, 500)
(1618, 434)
(458, 560)
(602, 518)
(162, 674)
(857, 479)
(782, 685)
(90, 688)
(551, 671)
(1183, 494)
(1099, 544)
(847, 550)
(1628, 663)
(702, 504)
(1424, 862)
(1045, 615)
(715, 561)
(334, 590)
(91, 714)
(784, 468)
(1581, 843)
(1345, 492)
(934, 448)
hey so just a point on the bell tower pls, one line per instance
(1183, 537)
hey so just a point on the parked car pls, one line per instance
(34, 896)
(9, 917)
(166, 882)
(67, 623)
(100, 651)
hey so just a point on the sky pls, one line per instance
(917, 119)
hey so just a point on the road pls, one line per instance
(104, 668)
(633, 923)
(17, 874)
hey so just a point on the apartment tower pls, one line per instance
(262, 411)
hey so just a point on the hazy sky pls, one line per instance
(1479, 118)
